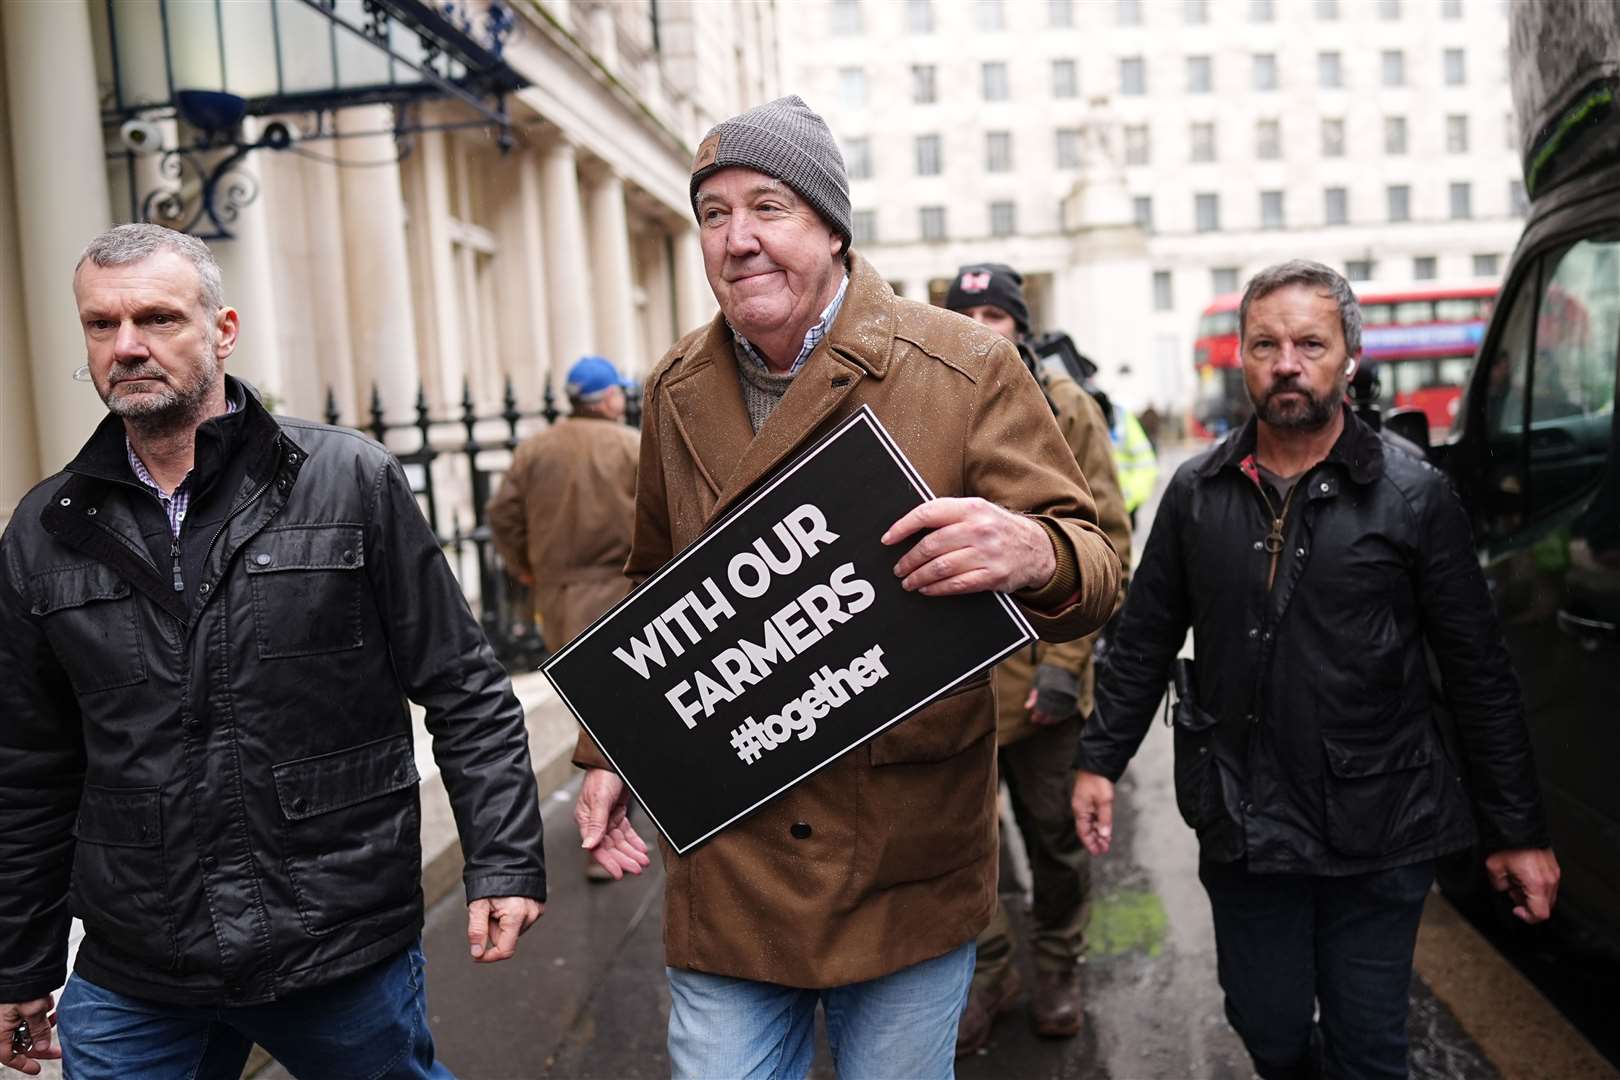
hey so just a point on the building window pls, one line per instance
(1333, 136)
(1392, 65)
(1518, 205)
(1451, 9)
(1223, 280)
(931, 222)
(1128, 12)
(928, 156)
(1487, 265)
(1206, 212)
(1265, 71)
(858, 158)
(1359, 270)
(1456, 134)
(1142, 212)
(1200, 77)
(1394, 134)
(1132, 75)
(1456, 67)
(852, 87)
(863, 227)
(1060, 13)
(1202, 137)
(1462, 200)
(1068, 148)
(1335, 206)
(1262, 10)
(1003, 219)
(1329, 70)
(989, 15)
(846, 17)
(1425, 268)
(1195, 12)
(1510, 132)
(993, 80)
(1389, 10)
(920, 16)
(1137, 147)
(1271, 210)
(1327, 10)
(1163, 298)
(1267, 140)
(1398, 198)
(998, 151)
(924, 90)
(1065, 79)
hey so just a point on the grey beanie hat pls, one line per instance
(788, 140)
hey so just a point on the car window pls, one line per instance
(1577, 334)
(1506, 368)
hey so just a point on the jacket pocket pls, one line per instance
(1381, 794)
(353, 831)
(307, 589)
(90, 619)
(1198, 777)
(120, 875)
(941, 730)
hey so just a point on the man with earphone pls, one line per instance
(1314, 563)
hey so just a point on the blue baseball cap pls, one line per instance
(591, 375)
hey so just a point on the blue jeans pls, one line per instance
(1288, 943)
(902, 1024)
(365, 1026)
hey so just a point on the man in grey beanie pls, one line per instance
(862, 887)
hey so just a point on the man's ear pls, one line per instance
(226, 326)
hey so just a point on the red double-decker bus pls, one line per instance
(1422, 340)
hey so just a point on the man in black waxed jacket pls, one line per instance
(1313, 564)
(210, 623)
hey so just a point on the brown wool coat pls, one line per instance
(1085, 429)
(563, 515)
(900, 864)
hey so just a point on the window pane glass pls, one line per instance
(1132, 75)
(1065, 79)
(1414, 312)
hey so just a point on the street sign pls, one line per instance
(778, 641)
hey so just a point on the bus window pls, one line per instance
(1458, 309)
(1375, 314)
(1414, 312)
(1218, 323)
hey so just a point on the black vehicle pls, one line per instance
(1536, 452)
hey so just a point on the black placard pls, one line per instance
(825, 629)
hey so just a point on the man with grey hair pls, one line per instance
(1314, 565)
(210, 623)
(862, 888)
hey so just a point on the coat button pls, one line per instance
(67, 502)
(1253, 633)
(1248, 807)
(203, 588)
(348, 556)
(298, 805)
(209, 862)
(1259, 545)
(1299, 551)
(262, 558)
(801, 830)
(1324, 487)
(292, 459)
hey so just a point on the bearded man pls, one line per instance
(1314, 565)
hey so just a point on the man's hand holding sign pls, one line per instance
(975, 546)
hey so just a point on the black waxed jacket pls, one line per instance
(1314, 744)
(220, 779)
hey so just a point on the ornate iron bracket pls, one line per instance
(222, 192)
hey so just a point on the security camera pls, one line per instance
(141, 136)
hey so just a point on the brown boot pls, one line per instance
(1056, 1006)
(984, 1004)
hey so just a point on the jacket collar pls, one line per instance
(250, 429)
(706, 396)
(1358, 450)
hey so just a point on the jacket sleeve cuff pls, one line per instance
(482, 886)
(587, 755)
(1065, 579)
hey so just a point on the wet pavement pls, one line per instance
(586, 995)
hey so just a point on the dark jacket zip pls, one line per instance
(1274, 539)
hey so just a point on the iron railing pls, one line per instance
(504, 606)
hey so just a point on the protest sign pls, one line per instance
(777, 641)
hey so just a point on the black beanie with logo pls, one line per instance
(995, 284)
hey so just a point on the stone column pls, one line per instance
(571, 323)
(19, 456)
(61, 202)
(694, 300)
(244, 262)
(610, 271)
(382, 320)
